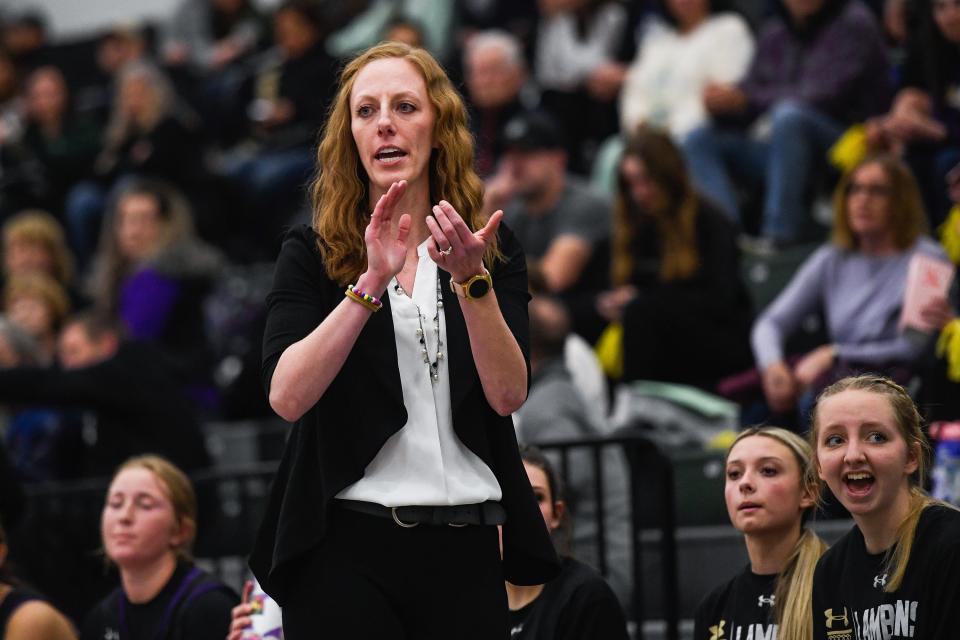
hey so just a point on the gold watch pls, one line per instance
(473, 288)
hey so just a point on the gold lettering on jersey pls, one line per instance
(716, 631)
(837, 618)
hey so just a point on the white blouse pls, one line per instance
(664, 84)
(563, 59)
(424, 463)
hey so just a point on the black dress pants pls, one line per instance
(372, 579)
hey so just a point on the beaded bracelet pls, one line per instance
(367, 300)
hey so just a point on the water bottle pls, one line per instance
(946, 465)
(267, 622)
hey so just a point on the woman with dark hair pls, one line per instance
(857, 281)
(402, 459)
(675, 272)
(64, 144)
(578, 603)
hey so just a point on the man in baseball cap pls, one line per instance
(556, 216)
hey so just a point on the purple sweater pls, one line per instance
(860, 296)
(837, 65)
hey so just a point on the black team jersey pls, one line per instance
(741, 609)
(849, 602)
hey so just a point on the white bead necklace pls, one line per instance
(433, 368)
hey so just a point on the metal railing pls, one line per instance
(646, 463)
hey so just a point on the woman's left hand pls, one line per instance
(455, 248)
(814, 364)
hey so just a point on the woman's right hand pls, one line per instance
(240, 614)
(386, 247)
(779, 387)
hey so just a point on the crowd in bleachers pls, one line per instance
(640, 149)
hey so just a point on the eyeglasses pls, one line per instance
(943, 5)
(872, 190)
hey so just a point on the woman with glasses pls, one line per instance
(857, 282)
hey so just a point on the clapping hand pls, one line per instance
(386, 243)
(455, 248)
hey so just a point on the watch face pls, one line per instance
(479, 288)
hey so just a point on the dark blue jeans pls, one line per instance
(786, 164)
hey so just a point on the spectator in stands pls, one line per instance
(925, 118)
(25, 37)
(556, 409)
(34, 242)
(684, 48)
(24, 614)
(575, 63)
(42, 442)
(771, 489)
(63, 144)
(37, 303)
(119, 46)
(495, 72)
(210, 35)
(284, 105)
(147, 527)
(370, 21)
(137, 402)
(578, 603)
(154, 273)
(557, 218)
(857, 282)
(207, 48)
(819, 67)
(20, 180)
(149, 134)
(675, 275)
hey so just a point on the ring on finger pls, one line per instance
(447, 251)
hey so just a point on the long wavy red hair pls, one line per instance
(340, 191)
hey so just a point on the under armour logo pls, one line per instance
(716, 631)
(832, 618)
(880, 580)
(762, 601)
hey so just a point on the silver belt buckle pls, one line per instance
(405, 525)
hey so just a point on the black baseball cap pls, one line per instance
(532, 131)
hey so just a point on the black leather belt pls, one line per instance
(456, 515)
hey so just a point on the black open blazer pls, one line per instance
(331, 445)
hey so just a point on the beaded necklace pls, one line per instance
(433, 368)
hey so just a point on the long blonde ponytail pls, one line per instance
(794, 590)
